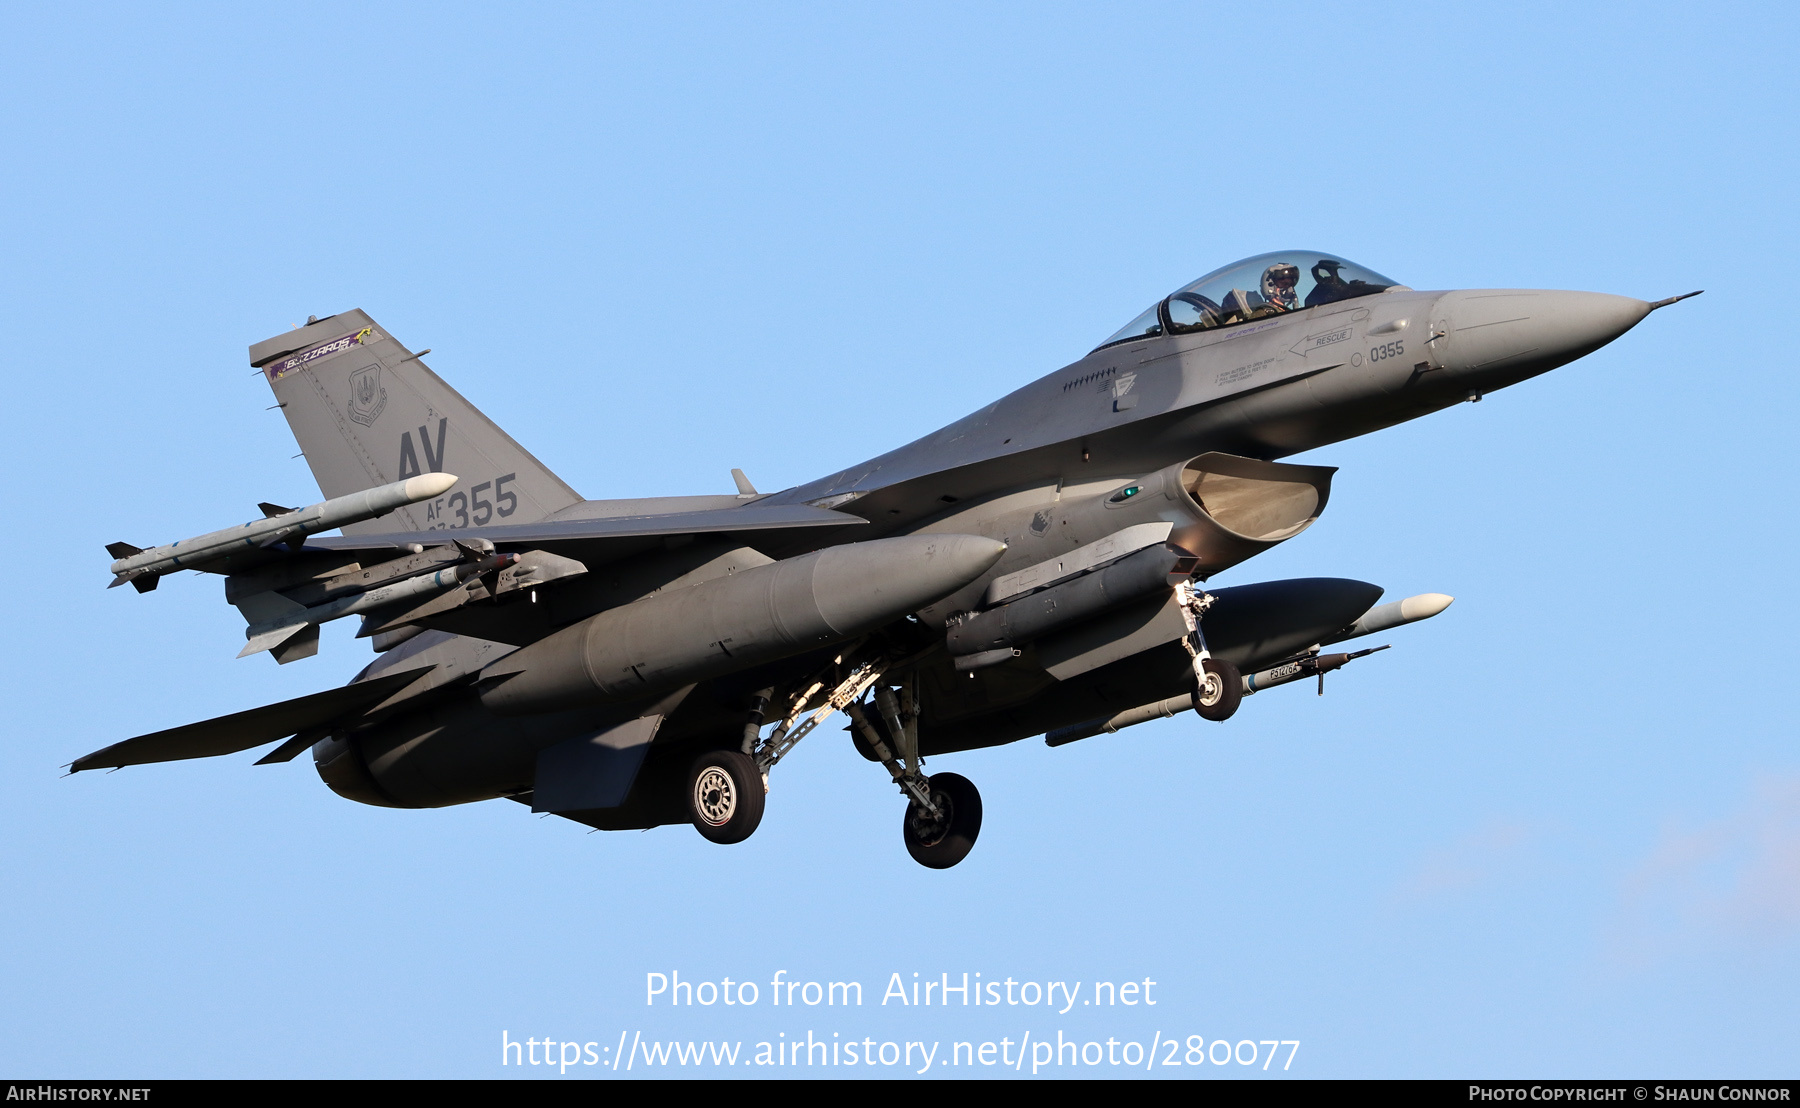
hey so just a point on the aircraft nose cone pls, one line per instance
(1505, 335)
(867, 583)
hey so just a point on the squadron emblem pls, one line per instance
(367, 397)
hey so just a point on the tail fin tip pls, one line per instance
(366, 411)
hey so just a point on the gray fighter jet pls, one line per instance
(1035, 568)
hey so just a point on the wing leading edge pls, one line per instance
(243, 730)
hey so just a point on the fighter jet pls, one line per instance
(1039, 567)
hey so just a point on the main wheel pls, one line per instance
(941, 841)
(1220, 694)
(725, 796)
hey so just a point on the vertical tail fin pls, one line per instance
(367, 411)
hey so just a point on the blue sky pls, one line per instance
(1555, 831)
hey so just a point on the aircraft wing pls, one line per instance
(243, 730)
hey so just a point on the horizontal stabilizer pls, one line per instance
(243, 730)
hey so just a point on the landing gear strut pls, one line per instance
(1218, 686)
(943, 812)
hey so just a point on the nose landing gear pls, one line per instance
(1218, 689)
(1218, 686)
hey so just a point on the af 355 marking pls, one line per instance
(460, 509)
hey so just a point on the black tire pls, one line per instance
(725, 794)
(1219, 699)
(941, 843)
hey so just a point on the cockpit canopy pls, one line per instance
(1266, 285)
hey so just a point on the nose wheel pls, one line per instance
(1218, 689)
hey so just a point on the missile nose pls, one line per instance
(1504, 335)
(1424, 606)
(427, 485)
(867, 583)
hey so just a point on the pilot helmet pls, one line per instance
(1278, 282)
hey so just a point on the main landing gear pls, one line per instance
(939, 840)
(726, 788)
(943, 811)
(725, 796)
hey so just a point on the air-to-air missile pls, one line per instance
(730, 623)
(1384, 617)
(292, 618)
(142, 568)
(1309, 663)
(1398, 613)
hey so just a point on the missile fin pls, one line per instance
(267, 607)
(269, 640)
(303, 645)
(270, 511)
(123, 549)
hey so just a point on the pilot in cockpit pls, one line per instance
(1278, 286)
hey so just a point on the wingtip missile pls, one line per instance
(135, 565)
(425, 486)
(1424, 606)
